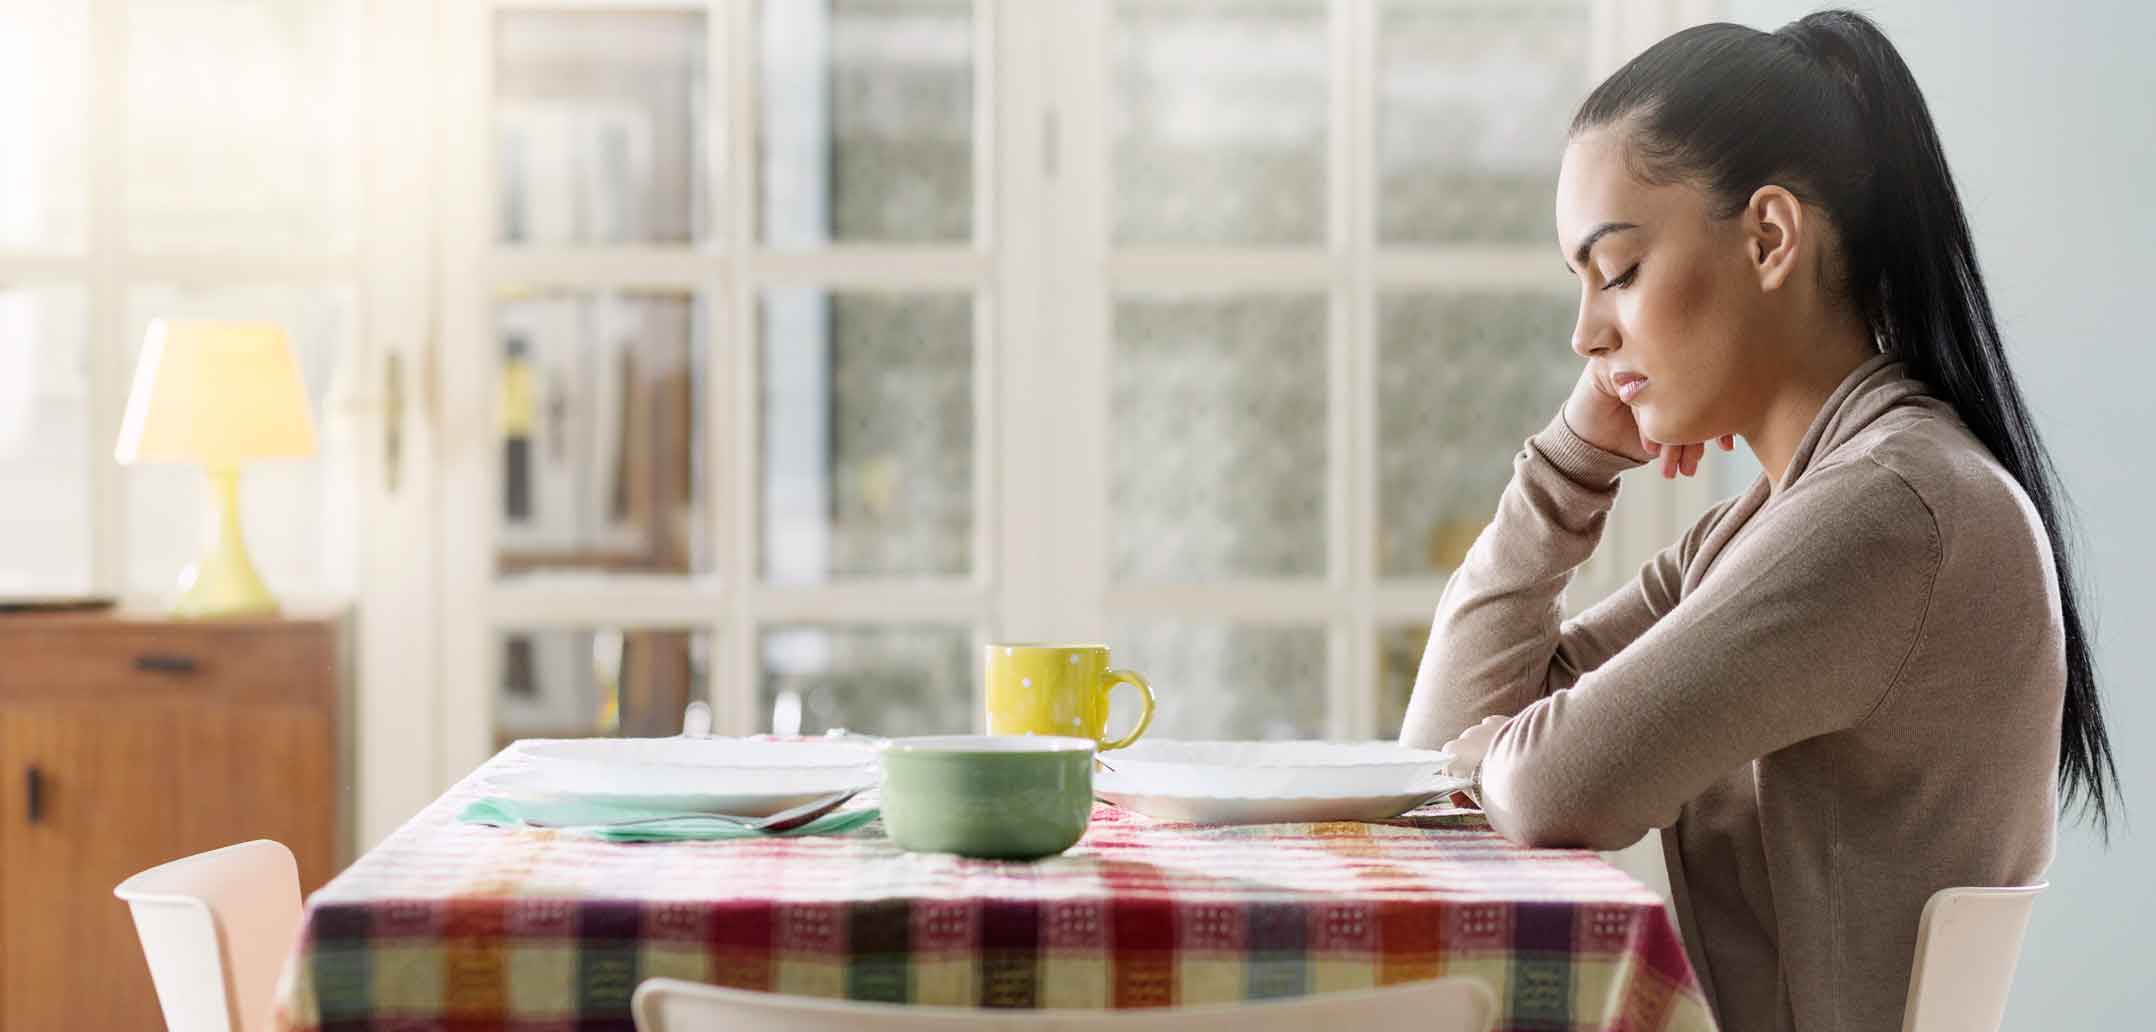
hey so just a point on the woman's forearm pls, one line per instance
(1497, 642)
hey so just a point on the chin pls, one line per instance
(1662, 430)
(1649, 425)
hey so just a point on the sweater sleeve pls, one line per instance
(1496, 642)
(1802, 628)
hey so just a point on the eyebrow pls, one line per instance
(1588, 243)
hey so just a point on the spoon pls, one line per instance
(784, 820)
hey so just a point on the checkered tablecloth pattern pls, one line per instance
(450, 925)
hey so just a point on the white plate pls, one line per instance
(1364, 770)
(729, 753)
(1272, 782)
(1272, 809)
(747, 777)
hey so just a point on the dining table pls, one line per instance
(448, 924)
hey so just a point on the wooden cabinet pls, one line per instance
(128, 741)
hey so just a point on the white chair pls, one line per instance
(1441, 1005)
(216, 927)
(1966, 945)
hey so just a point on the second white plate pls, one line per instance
(1302, 768)
(1204, 809)
(1272, 782)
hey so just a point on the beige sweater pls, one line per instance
(1840, 698)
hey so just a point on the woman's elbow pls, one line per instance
(1534, 809)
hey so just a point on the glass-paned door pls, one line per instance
(794, 349)
(717, 350)
(1313, 313)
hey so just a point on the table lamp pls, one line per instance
(217, 394)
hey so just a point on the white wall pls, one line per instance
(2046, 114)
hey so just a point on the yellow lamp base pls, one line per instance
(223, 581)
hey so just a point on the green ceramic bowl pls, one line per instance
(989, 796)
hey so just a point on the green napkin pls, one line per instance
(590, 817)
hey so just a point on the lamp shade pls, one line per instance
(215, 393)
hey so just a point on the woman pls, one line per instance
(1865, 678)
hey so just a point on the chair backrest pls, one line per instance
(215, 928)
(1966, 945)
(1456, 1004)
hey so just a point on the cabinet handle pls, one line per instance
(165, 663)
(34, 793)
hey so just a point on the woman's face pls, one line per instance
(1665, 292)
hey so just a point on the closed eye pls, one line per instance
(1624, 280)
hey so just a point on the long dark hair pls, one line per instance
(1825, 108)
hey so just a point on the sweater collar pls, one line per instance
(1868, 392)
(1879, 384)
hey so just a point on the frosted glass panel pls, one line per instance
(1219, 680)
(892, 681)
(1217, 120)
(1217, 454)
(1473, 102)
(576, 683)
(1463, 378)
(599, 123)
(44, 104)
(1399, 655)
(867, 435)
(865, 130)
(301, 518)
(241, 119)
(45, 446)
(601, 418)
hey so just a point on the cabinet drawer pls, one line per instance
(292, 663)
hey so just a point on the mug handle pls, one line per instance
(1108, 681)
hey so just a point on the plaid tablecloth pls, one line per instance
(449, 925)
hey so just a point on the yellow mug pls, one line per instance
(1036, 689)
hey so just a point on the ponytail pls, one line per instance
(1826, 108)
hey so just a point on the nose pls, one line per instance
(1592, 334)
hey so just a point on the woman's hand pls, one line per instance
(1467, 753)
(1594, 412)
(1468, 749)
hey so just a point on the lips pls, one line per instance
(1628, 386)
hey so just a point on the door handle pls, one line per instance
(165, 663)
(34, 793)
(392, 422)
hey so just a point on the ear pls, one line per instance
(1774, 231)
